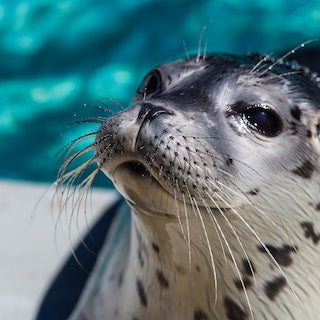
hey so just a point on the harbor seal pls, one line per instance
(218, 161)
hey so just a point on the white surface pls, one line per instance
(29, 254)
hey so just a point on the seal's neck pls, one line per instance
(175, 266)
(179, 270)
(151, 270)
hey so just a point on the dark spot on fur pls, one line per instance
(246, 282)
(247, 268)
(254, 192)
(141, 250)
(155, 247)
(309, 232)
(234, 312)
(309, 134)
(317, 207)
(282, 254)
(162, 279)
(305, 171)
(274, 287)
(140, 257)
(197, 268)
(141, 293)
(293, 128)
(229, 160)
(296, 113)
(200, 315)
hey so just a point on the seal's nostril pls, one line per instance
(149, 111)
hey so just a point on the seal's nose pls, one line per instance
(149, 111)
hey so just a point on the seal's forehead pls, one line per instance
(215, 69)
(202, 74)
(209, 64)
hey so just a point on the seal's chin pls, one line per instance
(141, 189)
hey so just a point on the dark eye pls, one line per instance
(151, 84)
(263, 120)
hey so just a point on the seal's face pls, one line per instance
(214, 131)
(218, 158)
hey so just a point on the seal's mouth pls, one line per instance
(141, 188)
(135, 168)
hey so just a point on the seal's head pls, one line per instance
(213, 131)
(218, 158)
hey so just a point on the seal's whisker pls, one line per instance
(62, 178)
(205, 50)
(102, 107)
(68, 184)
(233, 231)
(281, 75)
(216, 155)
(106, 108)
(83, 196)
(178, 213)
(261, 61)
(282, 228)
(117, 103)
(75, 142)
(270, 67)
(197, 211)
(188, 228)
(81, 185)
(84, 187)
(266, 250)
(98, 120)
(186, 49)
(154, 157)
(111, 150)
(82, 190)
(215, 227)
(65, 181)
(200, 44)
(230, 252)
(64, 167)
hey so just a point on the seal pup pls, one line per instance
(218, 161)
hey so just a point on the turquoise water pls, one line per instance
(57, 55)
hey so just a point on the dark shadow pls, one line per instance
(67, 286)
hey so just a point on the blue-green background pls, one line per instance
(57, 55)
